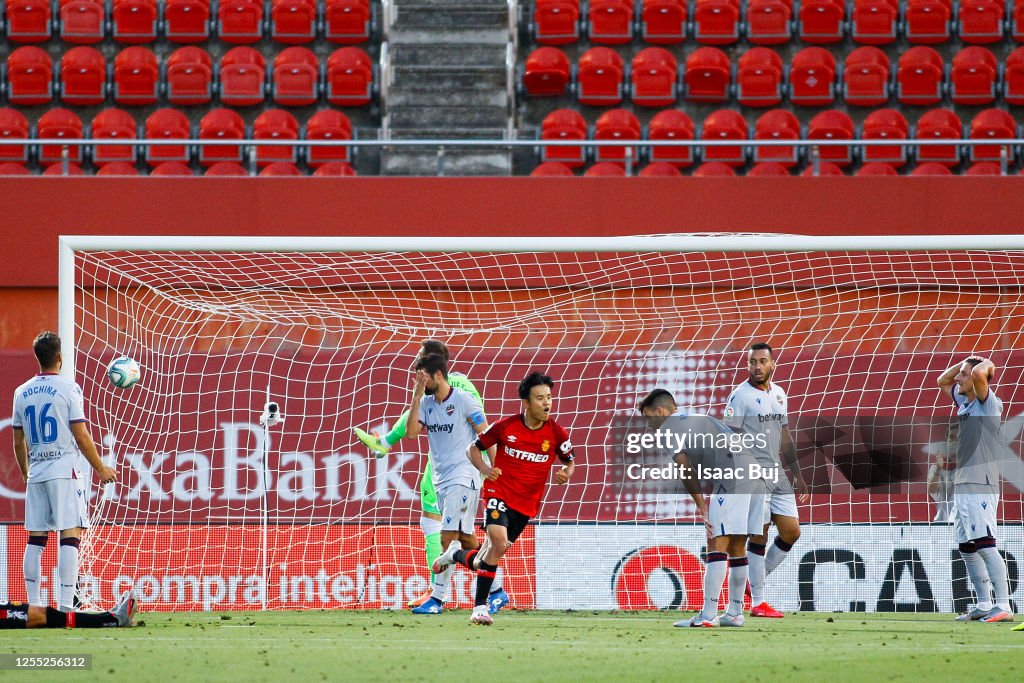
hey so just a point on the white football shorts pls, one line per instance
(56, 505)
(459, 507)
(975, 515)
(736, 514)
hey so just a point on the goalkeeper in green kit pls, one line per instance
(430, 522)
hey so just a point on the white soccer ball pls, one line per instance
(123, 372)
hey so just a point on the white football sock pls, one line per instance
(497, 585)
(67, 569)
(997, 574)
(978, 571)
(440, 584)
(33, 571)
(714, 577)
(738, 573)
(775, 555)
(757, 577)
(430, 526)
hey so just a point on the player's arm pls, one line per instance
(945, 380)
(934, 471)
(981, 375)
(788, 448)
(21, 452)
(692, 485)
(486, 439)
(566, 455)
(413, 425)
(80, 430)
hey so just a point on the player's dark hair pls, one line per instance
(435, 346)
(658, 398)
(762, 346)
(46, 347)
(432, 364)
(534, 379)
(973, 361)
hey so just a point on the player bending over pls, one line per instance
(23, 615)
(733, 512)
(758, 406)
(528, 444)
(50, 428)
(976, 484)
(452, 419)
(430, 521)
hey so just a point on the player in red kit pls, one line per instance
(528, 444)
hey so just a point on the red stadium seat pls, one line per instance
(167, 124)
(655, 76)
(221, 124)
(189, 76)
(777, 124)
(118, 168)
(328, 124)
(919, 76)
(172, 168)
(812, 77)
(187, 21)
(112, 124)
(610, 22)
(59, 123)
(13, 168)
(874, 22)
(59, 170)
(939, 124)
(708, 75)
(136, 76)
(821, 22)
(832, 125)
(335, 168)
(866, 77)
(28, 21)
(296, 77)
(671, 124)
(931, 168)
(550, 169)
(768, 168)
(293, 21)
(556, 22)
(716, 22)
(825, 168)
(226, 168)
(974, 76)
(769, 22)
(663, 22)
(240, 21)
(1017, 21)
(13, 125)
(1013, 77)
(928, 21)
(713, 168)
(617, 124)
(82, 21)
(564, 124)
(83, 76)
(135, 21)
(29, 76)
(275, 124)
(876, 168)
(659, 169)
(281, 168)
(725, 124)
(981, 21)
(991, 124)
(599, 77)
(885, 124)
(546, 73)
(349, 78)
(243, 74)
(605, 169)
(759, 78)
(347, 21)
(984, 168)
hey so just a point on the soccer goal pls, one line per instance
(214, 510)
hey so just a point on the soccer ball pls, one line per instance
(123, 372)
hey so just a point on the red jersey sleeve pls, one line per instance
(564, 445)
(493, 435)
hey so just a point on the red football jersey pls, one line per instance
(525, 457)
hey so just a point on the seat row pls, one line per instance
(188, 21)
(661, 169)
(241, 77)
(172, 124)
(177, 168)
(777, 124)
(760, 79)
(772, 22)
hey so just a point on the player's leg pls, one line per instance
(781, 505)
(430, 524)
(72, 519)
(744, 519)
(123, 615)
(738, 574)
(985, 515)
(39, 521)
(458, 505)
(755, 559)
(976, 569)
(715, 564)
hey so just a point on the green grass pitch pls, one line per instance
(529, 646)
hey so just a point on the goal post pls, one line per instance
(214, 511)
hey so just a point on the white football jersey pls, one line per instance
(979, 445)
(756, 411)
(44, 408)
(449, 425)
